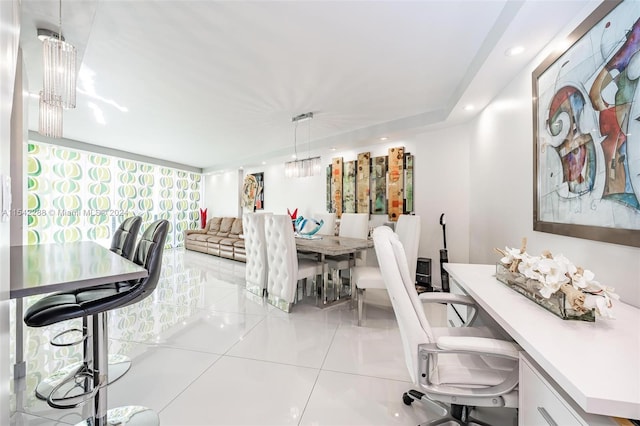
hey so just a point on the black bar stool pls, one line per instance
(94, 304)
(76, 376)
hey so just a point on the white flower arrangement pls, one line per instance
(557, 273)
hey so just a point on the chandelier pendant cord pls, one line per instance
(295, 141)
(59, 20)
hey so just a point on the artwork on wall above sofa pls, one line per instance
(586, 107)
(378, 185)
(259, 203)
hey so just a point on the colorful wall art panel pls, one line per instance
(379, 185)
(395, 186)
(408, 183)
(349, 187)
(362, 182)
(336, 186)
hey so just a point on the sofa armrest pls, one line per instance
(195, 231)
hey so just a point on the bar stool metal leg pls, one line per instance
(73, 380)
(132, 415)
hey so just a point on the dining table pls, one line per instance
(329, 245)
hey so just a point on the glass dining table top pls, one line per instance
(332, 245)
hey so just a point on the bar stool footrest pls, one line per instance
(131, 415)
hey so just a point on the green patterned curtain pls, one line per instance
(75, 195)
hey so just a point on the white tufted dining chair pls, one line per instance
(256, 270)
(285, 269)
(364, 277)
(352, 225)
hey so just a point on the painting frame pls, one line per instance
(573, 183)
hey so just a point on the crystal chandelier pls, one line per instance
(50, 120)
(59, 67)
(309, 166)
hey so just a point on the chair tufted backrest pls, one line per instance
(282, 257)
(408, 230)
(255, 245)
(124, 239)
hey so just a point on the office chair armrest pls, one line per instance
(479, 345)
(457, 299)
(453, 299)
(468, 396)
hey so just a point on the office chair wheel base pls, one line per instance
(407, 399)
(130, 415)
(118, 366)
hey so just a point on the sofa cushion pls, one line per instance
(228, 241)
(214, 239)
(236, 228)
(225, 226)
(214, 225)
(239, 243)
(198, 237)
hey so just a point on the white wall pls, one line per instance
(502, 196)
(222, 194)
(9, 39)
(441, 168)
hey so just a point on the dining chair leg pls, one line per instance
(360, 305)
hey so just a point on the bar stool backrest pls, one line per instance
(124, 239)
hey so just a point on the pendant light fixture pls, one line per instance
(50, 119)
(59, 67)
(309, 166)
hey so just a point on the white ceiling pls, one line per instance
(215, 84)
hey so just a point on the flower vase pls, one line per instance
(530, 288)
(203, 218)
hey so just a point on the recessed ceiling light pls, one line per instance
(384, 138)
(333, 148)
(515, 50)
(469, 107)
(264, 162)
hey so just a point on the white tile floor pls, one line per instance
(206, 352)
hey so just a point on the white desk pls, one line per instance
(596, 364)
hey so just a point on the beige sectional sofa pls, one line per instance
(221, 237)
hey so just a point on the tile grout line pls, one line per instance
(306, 404)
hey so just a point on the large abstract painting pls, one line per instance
(587, 131)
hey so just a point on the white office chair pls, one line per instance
(369, 277)
(465, 367)
(284, 267)
(352, 225)
(255, 243)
